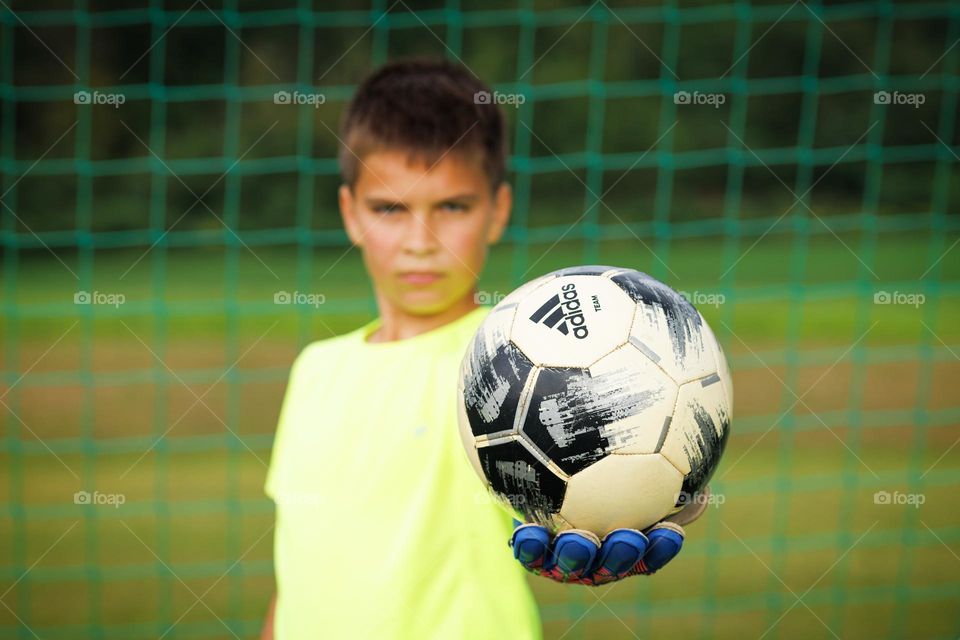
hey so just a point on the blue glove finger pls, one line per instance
(620, 552)
(530, 544)
(572, 554)
(665, 544)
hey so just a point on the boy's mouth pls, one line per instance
(420, 278)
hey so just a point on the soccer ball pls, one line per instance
(595, 398)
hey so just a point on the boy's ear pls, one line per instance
(345, 198)
(502, 203)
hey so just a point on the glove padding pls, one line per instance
(580, 557)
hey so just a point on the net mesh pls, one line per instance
(170, 240)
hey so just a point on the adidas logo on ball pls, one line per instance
(563, 312)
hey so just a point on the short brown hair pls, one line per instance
(426, 107)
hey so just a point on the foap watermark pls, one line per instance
(898, 498)
(299, 298)
(99, 297)
(899, 297)
(512, 99)
(703, 298)
(488, 496)
(488, 297)
(710, 498)
(896, 97)
(697, 97)
(97, 498)
(99, 98)
(297, 97)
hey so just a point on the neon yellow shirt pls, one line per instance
(383, 528)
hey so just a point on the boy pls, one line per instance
(383, 529)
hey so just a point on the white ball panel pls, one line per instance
(701, 405)
(652, 334)
(634, 491)
(572, 320)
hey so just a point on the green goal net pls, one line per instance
(170, 240)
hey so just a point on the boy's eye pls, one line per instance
(387, 208)
(456, 207)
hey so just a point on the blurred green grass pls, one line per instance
(822, 284)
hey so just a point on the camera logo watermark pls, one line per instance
(299, 298)
(485, 97)
(712, 99)
(887, 97)
(488, 298)
(297, 97)
(899, 297)
(912, 499)
(99, 297)
(702, 298)
(98, 98)
(710, 499)
(97, 498)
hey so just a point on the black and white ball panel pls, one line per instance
(667, 328)
(722, 368)
(579, 416)
(466, 433)
(522, 479)
(588, 270)
(494, 391)
(493, 374)
(698, 435)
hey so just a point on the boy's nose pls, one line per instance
(420, 236)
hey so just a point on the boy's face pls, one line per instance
(423, 230)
